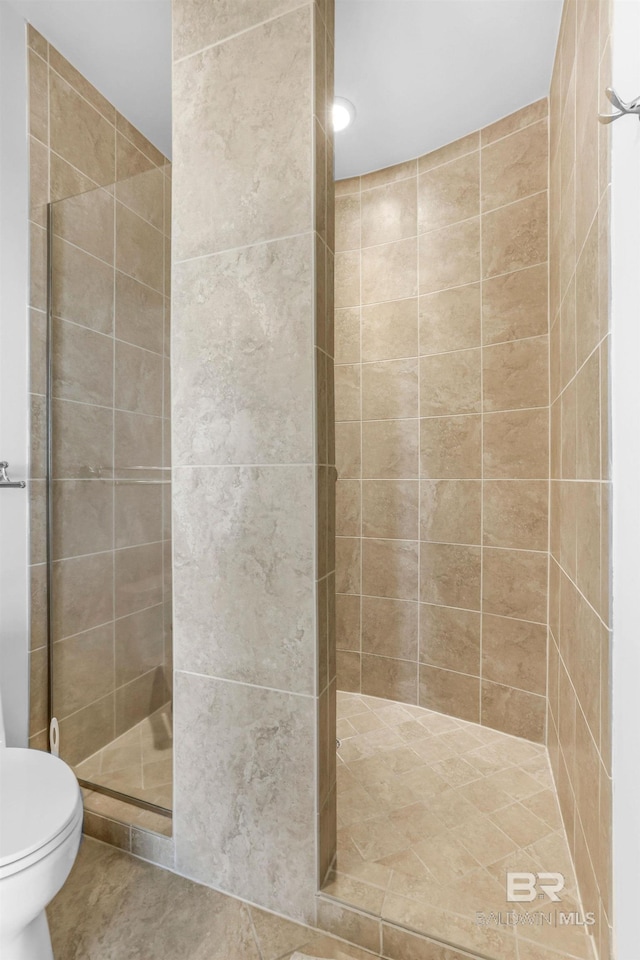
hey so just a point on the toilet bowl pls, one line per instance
(40, 831)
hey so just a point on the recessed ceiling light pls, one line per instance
(343, 114)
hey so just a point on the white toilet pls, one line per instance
(40, 831)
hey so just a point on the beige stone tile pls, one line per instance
(348, 508)
(516, 445)
(450, 575)
(144, 194)
(377, 838)
(390, 389)
(138, 442)
(82, 288)
(347, 391)
(400, 171)
(450, 319)
(390, 569)
(515, 121)
(87, 221)
(390, 330)
(82, 364)
(347, 223)
(65, 181)
(515, 513)
(520, 824)
(82, 517)
(515, 305)
(516, 374)
(348, 452)
(514, 653)
(389, 212)
(449, 193)
(138, 380)
(348, 565)
(450, 447)
(38, 719)
(139, 248)
(450, 383)
(130, 162)
(37, 42)
(515, 236)
(81, 84)
(390, 628)
(88, 729)
(348, 670)
(450, 638)
(450, 151)
(38, 181)
(347, 186)
(391, 678)
(138, 313)
(80, 134)
(588, 420)
(347, 279)
(588, 574)
(38, 96)
(389, 271)
(244, 212)
(194, 28)
(85, 439)
(450, 256)
(390, 449)
(450, 510)
(513, 711)
(390, 509)
(347, 335)
(138, 578)
(448, 692)
(515, 166)
(514, 583)
(138, 514)
(139, 645)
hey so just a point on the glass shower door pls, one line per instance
(109, 535)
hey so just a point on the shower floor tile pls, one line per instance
(432, 813)
(138, 764)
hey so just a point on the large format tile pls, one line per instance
(257, 543)
(221, 140)
(257, 408)
(224, 834)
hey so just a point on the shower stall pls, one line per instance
(108, 498)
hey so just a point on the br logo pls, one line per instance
(525, 887)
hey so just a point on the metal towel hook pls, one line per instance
(4, 477)
(622, 108)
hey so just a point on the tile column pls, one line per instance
(252, 448)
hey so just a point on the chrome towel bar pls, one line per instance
(4, 477)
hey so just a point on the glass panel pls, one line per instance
(109, 485)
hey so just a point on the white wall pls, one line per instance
(625, 378)
(14, 382)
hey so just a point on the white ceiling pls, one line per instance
(420, 73)
(122, 46)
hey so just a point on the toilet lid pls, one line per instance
(38, 797)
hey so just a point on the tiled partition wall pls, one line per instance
(111, 350)
(252, 447)
(579, 608)
(442, 428)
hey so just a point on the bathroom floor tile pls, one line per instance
(436, 823)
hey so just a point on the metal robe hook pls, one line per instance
(622, 108)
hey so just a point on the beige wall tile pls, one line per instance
(389, 271)
(347, 622)
(514, 653)
(515, 305)
(447, 692)
(348, 508)
(514, 584)
(347, 391)
(450, 638)
(450, 575)
(82, 364)
(348, 452)
(138, 578)
(347, 335)
(390, 330)
(515, 121)
(348, 671)
(348, 552)
(451, 510)
(515, 236)
(139, 248)
(390, 569)
(450, 319)
(515, 513)
(390, 449)
(449, 193)
(82, 289)
(392, 679)
(242, 212)
(515, 166)
(138, 313)
(389, 212)
(38, 97)
(588, 420)
(139, 644)
(450, 256)
(450, 447)
(138, 441)
(82, 517)
(449, 152)
(91, 728)
(347, 223)
(450, 383)
(390, 509)
(144, 194)
(84, 669)
(516, 444)
(87, 221)
(85, 440)
(390, 628)
(347, 287)
(138, 514)
(513, 711)
(400, 171)
(516, 374)
(84, 590)
(390, 390)
(80, 134)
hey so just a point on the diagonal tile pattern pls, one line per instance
(432, 813)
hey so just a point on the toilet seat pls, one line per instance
(40, 806)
